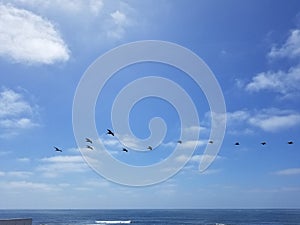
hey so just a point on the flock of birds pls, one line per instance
(109, 132)
(264, 143)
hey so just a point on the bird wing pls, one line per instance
(88, 140)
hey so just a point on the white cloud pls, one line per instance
(24, 159)
(28, 38)
(67, 7)
(290, 49)
(274, 119)
(63, 159)
(290, 171)
(95, 6)
(3, 153)
(93, 184)
(193, 164)
(19, 174)
(193, 143)
(285, 83)
(211, 171)
(119, 18)
(192, 129)
(198, 158)
(270, 119)
(120, 22)
(27, 186)
(105, 21)
(240, 115)
(20, 123)
(13, 104)
(16, 113)
(59, 165)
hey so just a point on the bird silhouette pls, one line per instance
(110, 132)
(290, 142)
(125, 150)
(90, 147)
(57, 149)
(149, 147)
(264, 143)
(211, 141)
(237, 143)
(180, 142)
(88, 140)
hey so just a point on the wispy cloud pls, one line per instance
(275, 120)
(269, 119)
(28, 38)
(93, 184)
(63, 159)
(284, 82)
(59, 165)
(104, 20)
(93, 7)
(288, 172)
(192, 129)
(193, 164)
(119, 23)
(196, 159)
(290, 49)
(16, 174)
(28, 186)
(16, 113)
(24, 159)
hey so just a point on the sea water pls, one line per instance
(159, 217)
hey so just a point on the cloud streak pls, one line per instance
(269, 119)
(288, 172)
(60, 165)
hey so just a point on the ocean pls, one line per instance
(159, 217)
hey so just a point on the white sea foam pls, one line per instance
(113, 221)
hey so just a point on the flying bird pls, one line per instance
(290, 142)
(211, 141)
(180, 142)
(57, 149)
(149, 147)
(90, 147)
(110, 132)
(264, 143)
(88, 140)
(125, 150)
(237, 143)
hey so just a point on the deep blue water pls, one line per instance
(160, 217)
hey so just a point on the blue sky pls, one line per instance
(253, 49)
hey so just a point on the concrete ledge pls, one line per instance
(16, 221)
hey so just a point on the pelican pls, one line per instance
(110, 132)
(88, 140)
(290, 142)
(90, 147)
(125, 150)
(149, 147)
(57, 149)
